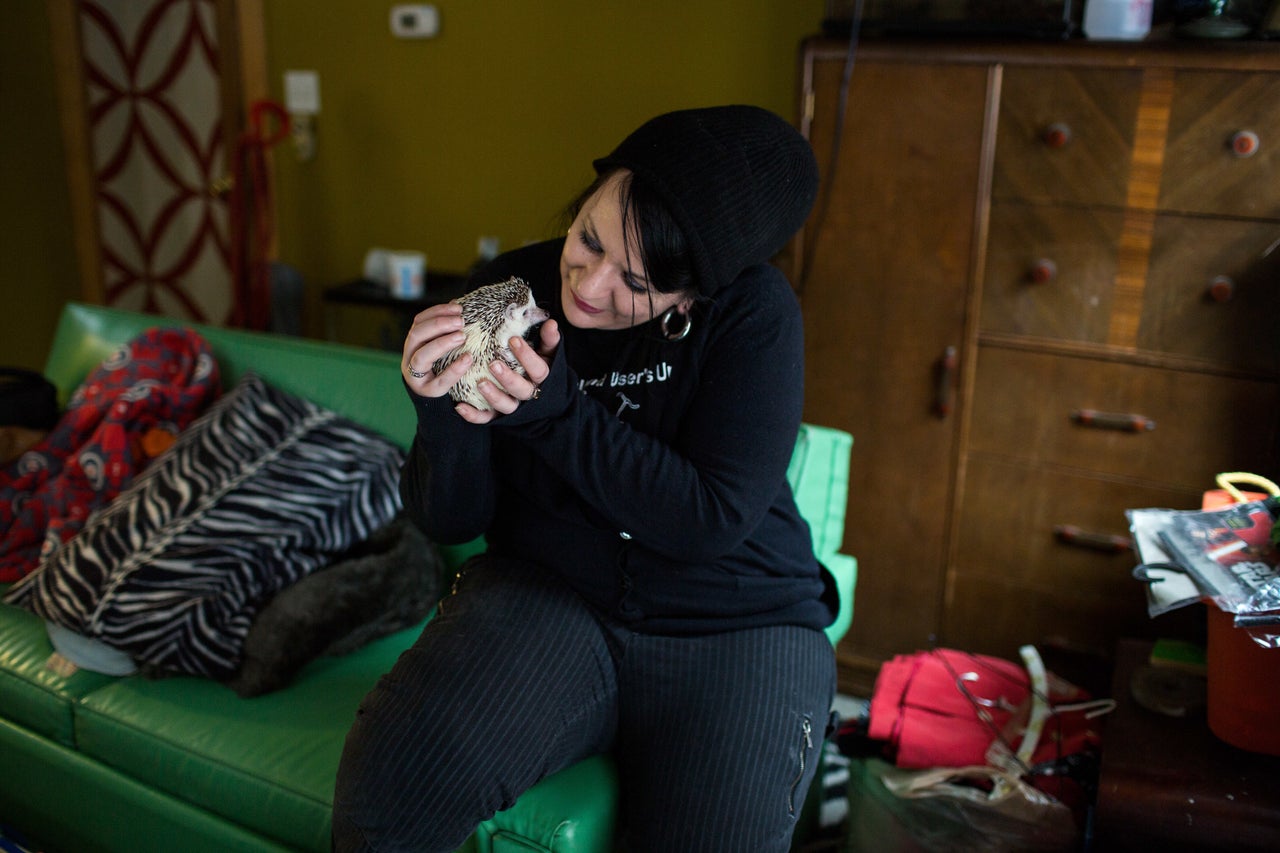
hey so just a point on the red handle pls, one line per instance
(944, 392)
(1109, 543)
(1043, 271)
(1056, 135)
(1222, 288)
(1112, 420)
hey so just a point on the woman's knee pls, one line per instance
(714, 783)
(417, 774)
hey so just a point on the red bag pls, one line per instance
(948, 708)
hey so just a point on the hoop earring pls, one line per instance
(679, 334)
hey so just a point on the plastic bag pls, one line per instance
(1226, 549)
(953, 810)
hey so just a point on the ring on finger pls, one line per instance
(537, 392)
(415, 374)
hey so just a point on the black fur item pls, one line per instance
(387, 583)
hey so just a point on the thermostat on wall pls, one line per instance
(414, 20)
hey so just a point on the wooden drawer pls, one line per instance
(1202, 172)
(1188, 310)
(1012, 510)
(1097, 109)
(987, 615)
(1015, 581)
(1050, 270)
(1023, 405)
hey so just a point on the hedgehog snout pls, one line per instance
(534, 315)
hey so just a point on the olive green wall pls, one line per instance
(487, 129)
(39, 270)
(490, 128)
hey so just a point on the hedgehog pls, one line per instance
(492, 315)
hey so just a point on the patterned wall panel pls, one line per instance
(153, 90)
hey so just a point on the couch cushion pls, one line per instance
(261, 491)
(32, 694)
(267, 763)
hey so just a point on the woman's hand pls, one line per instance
(434, 333)
(514, 389)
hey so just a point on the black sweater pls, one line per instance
(650, 474)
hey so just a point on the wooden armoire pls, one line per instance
(1041, 287)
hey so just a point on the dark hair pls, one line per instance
(664, 252)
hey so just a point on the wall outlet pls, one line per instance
(415, 20)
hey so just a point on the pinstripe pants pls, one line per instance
(716, 737)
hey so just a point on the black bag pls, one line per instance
(27, 399)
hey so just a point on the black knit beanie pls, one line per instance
(738, 180)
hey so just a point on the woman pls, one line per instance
(649, 587)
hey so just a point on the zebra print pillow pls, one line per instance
(260, 491)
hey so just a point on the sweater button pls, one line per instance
(624, 534)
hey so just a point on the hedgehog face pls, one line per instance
(525, 315)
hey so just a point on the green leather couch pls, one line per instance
(91, 762)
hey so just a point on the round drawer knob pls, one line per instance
(1244, 143)
(1221, 288)
(1056, 135)
(1043, 271)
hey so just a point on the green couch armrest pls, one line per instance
(819, 476)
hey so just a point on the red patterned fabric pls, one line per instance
(158, 382)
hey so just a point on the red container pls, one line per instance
(1244, 686)
(1243, 677)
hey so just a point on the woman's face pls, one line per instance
(602, 283)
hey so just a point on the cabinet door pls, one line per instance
(884, 297)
